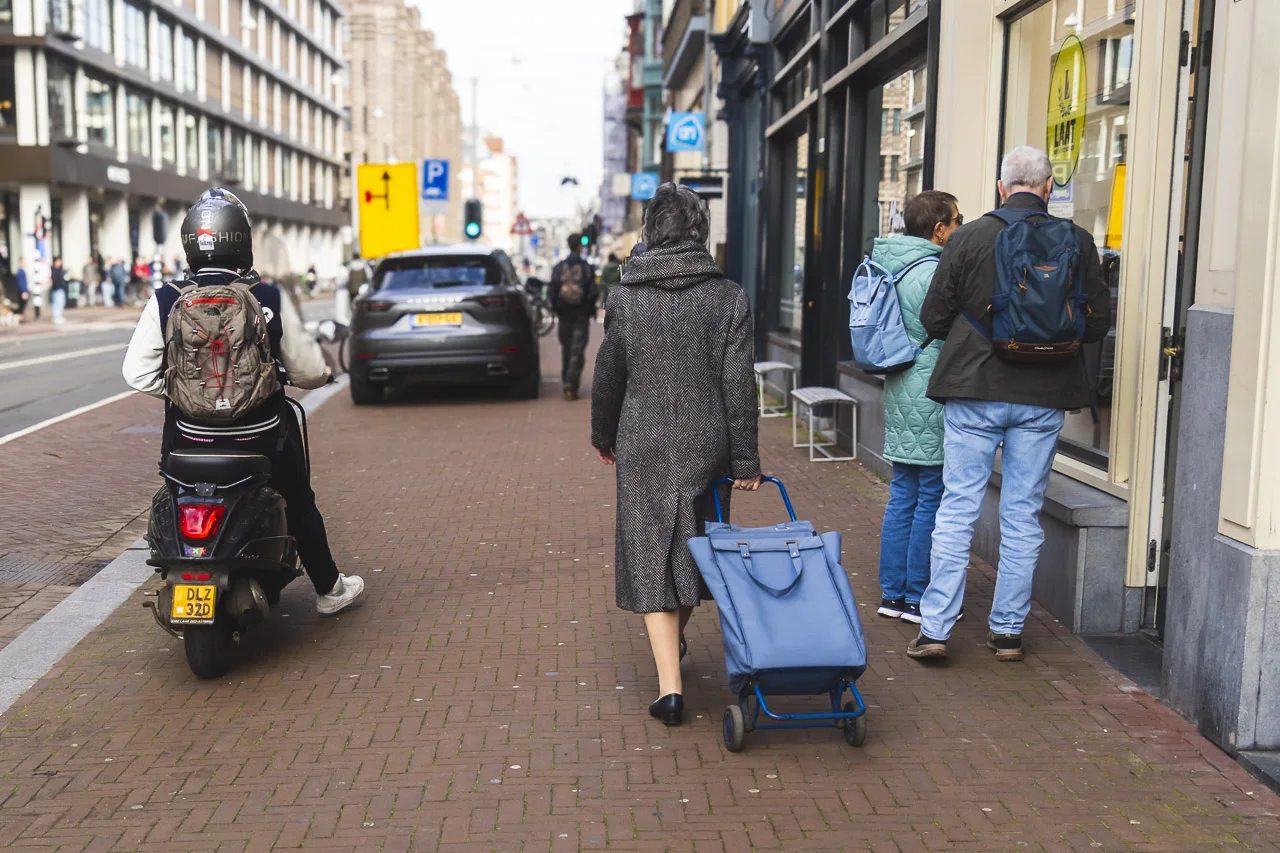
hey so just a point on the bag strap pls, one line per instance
(935, 259)
(793, 549)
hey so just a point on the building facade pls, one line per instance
(116, 114)
(404, 108)
(1160, 118)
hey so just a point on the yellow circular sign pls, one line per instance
(1068, 105)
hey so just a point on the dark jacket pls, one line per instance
(58, 278)
(588, 305)
(968, 367)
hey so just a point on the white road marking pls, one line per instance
(62, 356)
(64, 417)
(38, 649)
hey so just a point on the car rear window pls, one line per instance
(437, 271)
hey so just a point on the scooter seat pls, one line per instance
(215, 466)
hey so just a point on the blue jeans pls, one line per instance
(58, 304)
(908, 530)
(974, 430)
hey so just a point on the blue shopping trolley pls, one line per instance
(789, 620)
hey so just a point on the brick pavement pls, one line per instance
(489, 696)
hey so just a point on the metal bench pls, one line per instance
(763, 369)
(811, 398)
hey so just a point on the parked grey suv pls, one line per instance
(444, 314)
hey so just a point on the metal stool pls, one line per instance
(763, 368)
(810, 398)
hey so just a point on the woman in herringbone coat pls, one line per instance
(674, 407)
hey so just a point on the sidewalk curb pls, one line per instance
(35, 651)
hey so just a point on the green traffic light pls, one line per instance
(473, 229)
(583, 240)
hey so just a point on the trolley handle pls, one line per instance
(715, 492)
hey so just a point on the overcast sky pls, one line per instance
(541, 68)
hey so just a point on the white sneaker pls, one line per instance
(343, 595)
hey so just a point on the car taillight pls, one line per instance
(200, 521)
(373, 306)
(496, 300)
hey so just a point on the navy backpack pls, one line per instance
(1039, 305)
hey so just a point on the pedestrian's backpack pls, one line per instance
(1039, 304)
(880, 340)
(573, 285)
(218, 364)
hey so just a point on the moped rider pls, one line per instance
(217, 237)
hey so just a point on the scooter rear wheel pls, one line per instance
(211, 649)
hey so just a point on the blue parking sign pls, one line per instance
(686, 132)
(435, 180)
(643, 185)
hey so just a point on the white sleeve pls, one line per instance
(144, 360)
(302, 357)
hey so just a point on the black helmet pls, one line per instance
(217, 232)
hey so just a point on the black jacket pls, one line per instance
(968, 367)
(588, 305)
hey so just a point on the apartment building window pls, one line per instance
(8, 94)
(135, 36)
(100, 111)
(97, 24)
(213, 151)
(234, 27)
(213, 12)
(304, 66)
(189, 63)
(237, 86)
(6, 12)
(253, 162)
(164, 50)
(191, 134)
(137, 111)
(213, 73)
(235, 156)
(62, 111)
(287, 186)
(167, 125)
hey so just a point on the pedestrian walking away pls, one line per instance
(573, 295)
(610, 276)
(58, 292)
(1002, 392)
(912, 422)
(271, 428)
(674, 407)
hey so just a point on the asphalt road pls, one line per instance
(49, 375)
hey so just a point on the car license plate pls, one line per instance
(193, 603)
(437, 319)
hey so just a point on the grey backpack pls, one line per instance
(218, 355)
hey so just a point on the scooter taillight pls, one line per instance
(200, 521)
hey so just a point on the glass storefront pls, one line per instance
(895, 158)
(1068, 91)
(795, 161)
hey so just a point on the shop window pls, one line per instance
(164, 50)
(137, 110)
(135, 36)
(62, 113)
(191, 140)
(899, 151)
(8, 95)
(792, 243)
(97, 24)
(166, 123)
(1071, 69)
(100, 111)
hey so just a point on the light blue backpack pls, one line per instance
(880, 341)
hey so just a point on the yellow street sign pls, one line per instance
(388, 199)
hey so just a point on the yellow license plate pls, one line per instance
(438, 319)
(193, 602)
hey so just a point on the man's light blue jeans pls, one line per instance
(974, 431)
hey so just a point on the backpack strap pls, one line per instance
(1011, 215)
(931, 259)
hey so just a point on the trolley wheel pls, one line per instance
(855, 729)
(735, 728)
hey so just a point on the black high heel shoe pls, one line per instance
(669, 709)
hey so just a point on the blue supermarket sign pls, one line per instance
(686, 132)
(643, 185)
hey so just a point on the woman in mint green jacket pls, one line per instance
(912, 422)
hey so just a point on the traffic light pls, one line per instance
(472, 217)
(584, 240)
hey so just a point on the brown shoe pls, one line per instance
(571, 395)
(923, 647)
(1008, 647)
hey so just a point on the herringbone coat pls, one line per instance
(674, 398)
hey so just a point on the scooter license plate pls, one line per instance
(193, 603)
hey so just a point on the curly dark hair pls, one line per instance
(676, 215)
